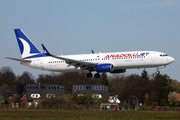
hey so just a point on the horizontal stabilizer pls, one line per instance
(17, 59)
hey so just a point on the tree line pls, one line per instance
(148, 89)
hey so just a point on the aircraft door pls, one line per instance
(42, 64)
(152, 57)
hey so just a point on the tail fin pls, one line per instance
(26, 46)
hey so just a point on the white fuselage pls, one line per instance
(120, 60)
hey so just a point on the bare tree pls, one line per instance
(7, 77)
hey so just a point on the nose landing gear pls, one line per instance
(158, 72)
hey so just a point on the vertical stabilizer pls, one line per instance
(26, 46)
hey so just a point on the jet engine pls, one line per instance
(104, 67)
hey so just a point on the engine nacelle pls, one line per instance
(104, 67)
(119, 71)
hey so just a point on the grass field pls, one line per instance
(34, 114)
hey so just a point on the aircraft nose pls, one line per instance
(171, 59)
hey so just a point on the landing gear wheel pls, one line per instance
(158, 72)
(97, 75)
(89, 75)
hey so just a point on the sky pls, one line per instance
(77, 26)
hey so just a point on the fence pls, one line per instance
(81, 107)
(51, 106)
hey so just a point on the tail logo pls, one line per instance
(26, 46)
(25, 49)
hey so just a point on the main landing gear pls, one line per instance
(89, 75)
(97, 75)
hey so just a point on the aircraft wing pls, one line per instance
(17, 59)
(69, 61)
(75, 63)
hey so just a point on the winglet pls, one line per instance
(45, 50)
(92, 51)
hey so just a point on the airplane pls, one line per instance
(112, 62)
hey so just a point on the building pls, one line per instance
(35, 93)
(98, 91)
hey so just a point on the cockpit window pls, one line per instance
(162, 55)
